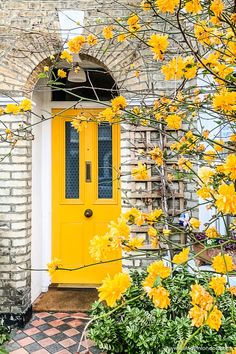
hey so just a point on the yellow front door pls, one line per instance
(85, 193)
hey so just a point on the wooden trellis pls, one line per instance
(149, 192)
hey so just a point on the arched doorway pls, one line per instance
(66, 160)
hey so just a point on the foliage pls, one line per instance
(4, 337)
(139, 327)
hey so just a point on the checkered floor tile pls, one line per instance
(52, 333)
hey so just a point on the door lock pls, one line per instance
(88, 213)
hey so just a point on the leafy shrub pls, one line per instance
(138, 327)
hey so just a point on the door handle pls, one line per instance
(88, 172)
(88, 213)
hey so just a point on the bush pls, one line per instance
(138, 327)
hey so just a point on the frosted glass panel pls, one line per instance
(105, 161)
(72, 162)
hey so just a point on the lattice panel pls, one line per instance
(149, 193)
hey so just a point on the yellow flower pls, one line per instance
(226, 199)
(12, 108)
(193, 6)
(217, 6)
(166, 232)
(133, 23)
(152, 232)
(119, 228)
(204, 192)
(121, 37)
(218, 285)
(134, 244)
(179, 67)
(79, 123)
(174, 121)
(112, 290)
(167, 5)
(132, 214)
(210, 155)
(107, 32)
(160, 297)
(118, 103)
(211, 232)
(140, 172)
(158, 268)
(232, 138)
(184, 164)
(157, 156)
(65, 55)
(92, 39)
(107, 115)
(223, 263)
(195, 223)
(232, 290)
(214, 319)
(201, 297)
(54, 265)
(230, 166)
(145, 5)
(233, 351)
(219, 147)
(46, 69)
(75, 44)
(154, 215)
(202, 33)
(224, 101)
(181, 257)
(198, 316)
(205, 174)
(26, 105)
(100, 247)
(158, 44)
(61, 73)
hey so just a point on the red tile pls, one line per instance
(31, 331)
(71, 332)
(46, 342)
(42, 314)
(37, 323)
(40, 351)
(75, 323)
(61, 315)
(51, 331)
(63, 351)
(56, 323)
(67, 342)
(25, 341)
(87, 343)
(21, 351)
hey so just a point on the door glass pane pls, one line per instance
(72, 162)
(104, 161)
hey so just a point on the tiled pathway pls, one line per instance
(52, 333)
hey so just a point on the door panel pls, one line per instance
(85, 168)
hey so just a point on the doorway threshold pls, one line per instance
(77, 286)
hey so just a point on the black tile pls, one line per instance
(58, 337)
(39, 336)
(12, 346)
(63, 328)
(76, 337)
(20, 335)
(44, 327)
(33, 347)
(73, 348)
(49, 318)
(54, 348)
(94, 350)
